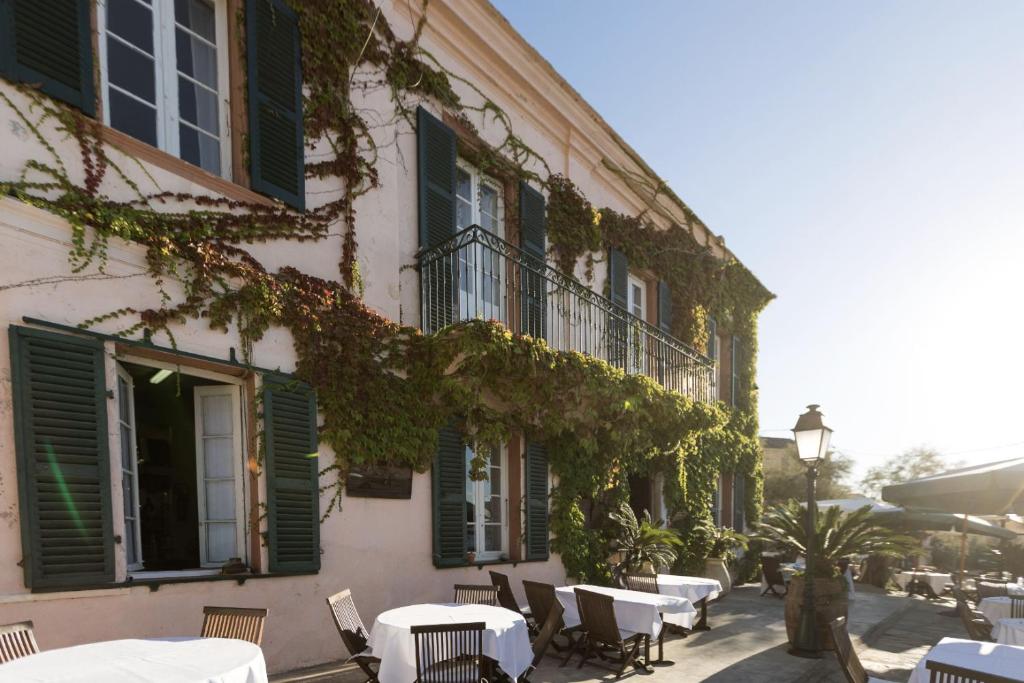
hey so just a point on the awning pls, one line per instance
(995, 488)
(916, 520)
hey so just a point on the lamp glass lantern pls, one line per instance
(812, 436)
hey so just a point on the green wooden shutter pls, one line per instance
(436, 161)
(664, 307)
(734, 363)
(739, 500)
(449, 498)
(49, 43)
(536, 502)
(293, 487)
(533, 239)
(276, 152)
(60, 426)
(618, 288)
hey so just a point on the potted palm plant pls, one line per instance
(837, 536)
(722, 543)
(641, 545)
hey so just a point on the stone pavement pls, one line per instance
(747, 643)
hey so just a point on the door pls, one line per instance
(219, 457)
(129, 468)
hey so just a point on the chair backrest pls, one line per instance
(476, 595)
(551, 626)
(845, 653)
(645, 583)
(1016, 607)
(346, 619)
(975, 623)
(242, 623)
(772, 573)
(991, 589)
(541, 598)
(597, 616)
(960, 595)
(449, 653)
(939, 672)
(17, 641)
(506, 598)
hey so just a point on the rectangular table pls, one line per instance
(698, 590)
(935, 580)
(990, 658)
(634, 611)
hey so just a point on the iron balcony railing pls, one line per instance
(476, 274)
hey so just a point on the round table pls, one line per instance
(506, 637)
(995, 608)
(171, 660)
(1009, 631)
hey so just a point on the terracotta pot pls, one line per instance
(831, 600)
(716, 568)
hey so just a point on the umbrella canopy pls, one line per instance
(916, 520)
(995, 488)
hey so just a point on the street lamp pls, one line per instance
(812, 439)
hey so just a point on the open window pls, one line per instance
(487, 505)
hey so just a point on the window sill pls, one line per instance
(168, 162)
(490, 563)
(172, 577)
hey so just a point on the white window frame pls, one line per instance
(477, 180)
(478, 506)
(238, 470)
(166, 65)
(637, 359)
(242, 492)
(472, 258)
(637, 284)
(130, 463)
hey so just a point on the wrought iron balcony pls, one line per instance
(476, 274)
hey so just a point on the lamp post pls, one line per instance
(812, 439)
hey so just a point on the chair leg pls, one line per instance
(574, 648)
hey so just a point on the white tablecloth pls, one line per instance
(174, 660)
(1009, 631)
(1015, 589)
(991, 658)
(506, 637)
(937, 581)
(995, 608)
(634, 611)
(693, 588)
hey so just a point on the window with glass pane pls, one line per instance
(486, 499)
(164, 76)
(478, 201)
(129, 468)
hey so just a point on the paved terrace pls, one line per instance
(748, 643)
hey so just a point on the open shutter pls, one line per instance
(293, 491)
(664, 307)
(618, 327)
(734, 365)
(449, 497)
(48, 43)
(276, 155)
(533, 239)
(536, 502)
(60, 427)
(436, 162)
(739, 499)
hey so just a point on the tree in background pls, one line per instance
(786, 478)
(912, 464)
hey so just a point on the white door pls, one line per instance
(635, 303)
(129, 468)
(219, 456)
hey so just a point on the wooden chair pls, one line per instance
(991, 589)
(847, 656)
(241, 623)
(17, 641)
(476, 595)
(770, 567)
(353, 633)
(961, 596)
(601, 632)
(1016, 607)
(975, 623)
(506, 598)
(545, 637)
(645, 583)
(950, 673)
(542, 600)
(450, 653)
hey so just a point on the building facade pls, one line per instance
(149, 469)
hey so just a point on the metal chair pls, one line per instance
(241, 623)
(506, 598)
(545, 637)
(353, 633)
(466, 594)
(770, 567)
(949, 673)
(17, 641)
(645, 583)
(601, 631)
(847, 656)
(450, 653)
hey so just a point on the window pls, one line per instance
(479, 201)
(486, 506)
(182, 468)
(164, 74)
(636, 296)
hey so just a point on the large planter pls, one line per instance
(716, 568)
(830, 601)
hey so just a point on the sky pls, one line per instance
(866, 161)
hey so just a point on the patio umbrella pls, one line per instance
(920, 520)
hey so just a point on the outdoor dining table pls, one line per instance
(697, 589)
(989, 658)
(1009, 632)
(996, 608)
(506, 638)
(168, 660)
(935, 580)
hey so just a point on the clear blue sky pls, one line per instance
(866, 160)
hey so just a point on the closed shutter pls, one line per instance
(436, 163)
(49, 43)
(293, 490)
(533, 238)
(536, 502)
(734, 364)
(618, 327)
(60, 426)
(664, 307)
(739, 498)
(276, 156)
(449, 498)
